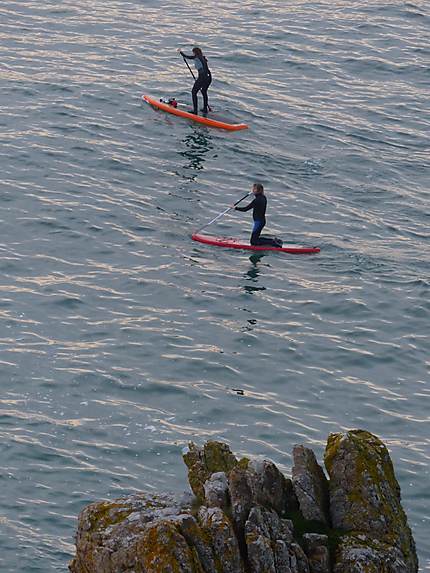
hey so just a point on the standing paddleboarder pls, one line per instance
(259, 205)
(203, 80)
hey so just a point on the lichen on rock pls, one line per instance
(365, 495)
(270, 544)
(116, 536)
(203, 462)
(164, 550)
(223, 540)
(361, 554)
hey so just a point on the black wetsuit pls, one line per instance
(259, 215)
(202, 82)
(259, 205)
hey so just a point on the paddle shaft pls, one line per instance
(188, 66)
(222, 214)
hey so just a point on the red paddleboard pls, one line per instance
(237, 244)
(198, 118)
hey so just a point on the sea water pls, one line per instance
(120, 338)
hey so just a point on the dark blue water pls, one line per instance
(120, 338)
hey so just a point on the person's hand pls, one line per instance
(179, 50)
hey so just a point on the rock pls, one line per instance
(259, 543)
(270, 544)
(109, 541)
(359, 554)
(258, 482)
(155, 534)
(162, 549)
(196, 538)
(241, 496)
(216, 491)
(365, 499)
(310, 485)
(237, 523)
(203, 462)
(270, 487)
(316, 549)
(222, 538)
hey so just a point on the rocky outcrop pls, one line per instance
(365, 503)
(140, 532)
(310, 485)
(212, 458)
(246, 517)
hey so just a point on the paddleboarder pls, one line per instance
(203, 80)
(259, 205)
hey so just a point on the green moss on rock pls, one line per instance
(243, 463)
(107, 513)
(203, 462)
(364, 492)
(164, 550)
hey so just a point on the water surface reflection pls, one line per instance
(197, 144)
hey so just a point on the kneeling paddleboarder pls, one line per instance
(259, 205)
(203, 80)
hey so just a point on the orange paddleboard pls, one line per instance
(192, 116)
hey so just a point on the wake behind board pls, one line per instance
(229, 243)
(198, 118)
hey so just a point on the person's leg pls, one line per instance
(270, 241)
(205, 99)
(205, 88)
(196, 87)
(256, 231)
(194, 95)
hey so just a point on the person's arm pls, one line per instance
(247, 208)
(193, 57)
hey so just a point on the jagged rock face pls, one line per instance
(270, 544)
(365, 495)
(203, 462)
(270, 487)
(258, 483)
(196, 539)
(359, 554)
(237, 521)
(223, 540)
(138, 533)
(310, 485)
(163, 548)
(316, 549)
(216, 491)
(241, 496)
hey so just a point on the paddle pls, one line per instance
(188, 66)
(191, 71)
(223, 213)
